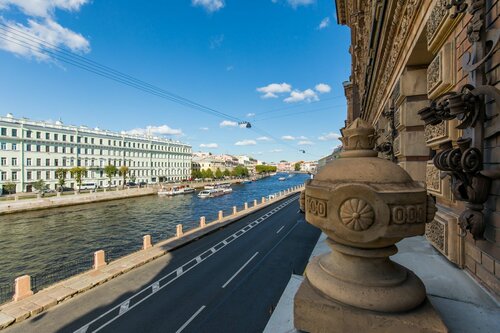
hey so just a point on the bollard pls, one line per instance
(58, 194)
(105, 189)
(235, 210)
(246, 205)
(202, 222)
(255, 203)
(179, 231)
(99, 259)
(146, 242)
(22, 288)
(263, 200)
(16, 198)
(76, 193)
(221, 214)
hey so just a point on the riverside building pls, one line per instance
(33, 150)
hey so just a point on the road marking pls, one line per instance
(198, 259)
(174, 275)
(124, 307)
(280, 229)
(156, 286)
(190, 319)
(239, 270)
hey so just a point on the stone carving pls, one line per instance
(438, 14)
(316, 207)
(357, 214)
(434, 133)
(435, 233)
(397, 146)
(434, 74)
(433, 178)
(397, 117)
(408, 214)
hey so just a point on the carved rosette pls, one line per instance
(357, 214)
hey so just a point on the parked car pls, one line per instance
(64, 189)
(131, 184)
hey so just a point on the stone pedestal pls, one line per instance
(315, 313)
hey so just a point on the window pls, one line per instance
(3, 161)
(28, 134)
(92, 140)
(14, 132)
(38, 175)
(71, 138)
(64, 137)
(3, 145)
(14, 175)
(3, 131)
(14, 161)
(28, 161)
(100, 141)
(47, 174)
(28, 147)
(47, 148)
(78, 139)
(86, 140)
(14, 146)
(28, 175)
(47, 162)
(38, 162)
(38, 148)
(56, 137)
(4, 175)
(56, 162)
(38, 135)
(47, 136)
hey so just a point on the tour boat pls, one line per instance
(281, 178)
(176, 190)
(211, 193)
(217, 185)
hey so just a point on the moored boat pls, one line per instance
(281, 178)
(211, 193)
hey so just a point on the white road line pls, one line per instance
(198, 259)
(212, 251)
(239, 270)
(280, 229)
(124, 307)
(156, 286)
(190, 319)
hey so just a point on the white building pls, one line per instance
(34, 150)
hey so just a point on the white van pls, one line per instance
(88, 186)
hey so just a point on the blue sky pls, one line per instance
(278, 64)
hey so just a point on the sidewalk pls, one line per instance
(464, 305)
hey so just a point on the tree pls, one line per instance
(209, 174)
(218, 173)
(123, 172)
(133, 178)
(195, 174)
(78, 173)
(110, 171)
(227, 173)
(265, 168)
(39, 185)
(9, 187)
(61, 177)
(297, 166)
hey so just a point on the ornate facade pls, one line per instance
(424, 73)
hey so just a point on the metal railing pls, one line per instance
(60, 273)
(6, 292)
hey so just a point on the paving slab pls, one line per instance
(6, 320)
(43, 300)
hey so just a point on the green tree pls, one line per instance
(61, 177)
(297, 166)
(78, 173)
(209, 174)
(227, 173)
(9, 187)
(218, 174)
(265, 168)
(39, 185)
(110, 171)
(133, 178)
(124, 170)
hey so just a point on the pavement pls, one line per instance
(464, 305)
(226, 281)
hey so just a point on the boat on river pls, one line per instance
(211, 193)
(176, 190)
(217, 186)
(281, 179)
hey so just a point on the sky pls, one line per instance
(277, 64)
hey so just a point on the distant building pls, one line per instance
(34, 150)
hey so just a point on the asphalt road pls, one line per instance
(228, 281)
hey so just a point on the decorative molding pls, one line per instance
(434, 73)
(435, 134)
(408, 214)
(356, 214)
(439, 25)
(441, 72)
(316, 207)
(397, 146)
(436, 233)
(433, 179)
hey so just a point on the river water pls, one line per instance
(36, 243)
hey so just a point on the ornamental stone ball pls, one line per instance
(364, 204)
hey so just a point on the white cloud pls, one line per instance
(302, 137)
(209, 5)
(324, 23)
(287, 137)
(297, 3)
(246, 143)
(216, 41)
(264, 138)
(41, 25)
(204, 128)
(228, 123)
(323, 88)
(305, 143)
(276, 151)
(307, 95)
(209, 145)
(250, 115)
(271, 90)
(330, 136)
(156, 130)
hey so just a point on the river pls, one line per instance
(38, 243)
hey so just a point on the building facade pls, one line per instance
(425, 74)
(34, 150)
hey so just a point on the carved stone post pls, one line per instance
(364, 205)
